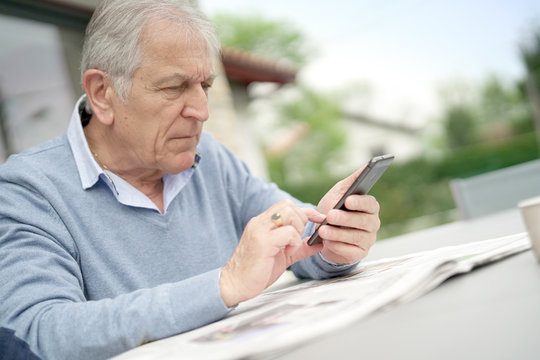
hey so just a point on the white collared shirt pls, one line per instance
(90, 171)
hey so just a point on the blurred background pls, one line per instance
(309, 91)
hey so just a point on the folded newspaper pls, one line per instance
(278, 320)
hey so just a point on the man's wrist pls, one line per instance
(224, 287)
(334, 264)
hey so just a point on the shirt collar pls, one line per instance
(89, 169)
(90, 172)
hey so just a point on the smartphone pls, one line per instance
(363, 183)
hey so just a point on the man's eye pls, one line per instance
(178, 88)
(206, 86)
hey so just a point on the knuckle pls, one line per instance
(361, 223)
(377, 224)
(370, 203)
(287, 202)
(376, 205)
(326, 232)
(358, 237)
(371, 223)
(333, 216)
(290, 232)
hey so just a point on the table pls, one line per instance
(490, 313)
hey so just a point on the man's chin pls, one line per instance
(181, 164)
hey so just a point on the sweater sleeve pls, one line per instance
(43, 291)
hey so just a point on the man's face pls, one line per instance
(160, 125)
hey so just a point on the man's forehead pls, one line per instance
(185, 35)
(174, 43)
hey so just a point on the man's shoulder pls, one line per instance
(42, 157)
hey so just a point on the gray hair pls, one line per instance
(112, 40)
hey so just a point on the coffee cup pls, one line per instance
(530, 212)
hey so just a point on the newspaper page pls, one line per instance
(278, 320)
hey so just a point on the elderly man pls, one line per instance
(137, 225)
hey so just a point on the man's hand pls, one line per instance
(266, 250)
(349, 234)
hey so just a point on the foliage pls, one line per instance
(492, 110)
(308, 161)
(488, 156)
(419, 187)
(305, 163)
(486, 127)
(459, 123)
(530, 55)
(272, 38)
(418, 190)
(402, 198)
(499, 102)
(469, 118)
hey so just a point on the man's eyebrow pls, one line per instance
(180, 78)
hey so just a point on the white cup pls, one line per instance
(530, 212)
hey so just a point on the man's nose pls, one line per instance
(196, 104)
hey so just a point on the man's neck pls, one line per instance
(147, 181)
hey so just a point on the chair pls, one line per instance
(497, 190)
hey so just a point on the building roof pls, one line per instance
(246, 67)
(240, 66)
(381, 123)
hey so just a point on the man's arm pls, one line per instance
(356, 229)
(43, 291)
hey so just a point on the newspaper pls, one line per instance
(276, 321)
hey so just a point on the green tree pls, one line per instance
(460, 126)
(530, 55)
(500, 102)
(485, 112)
(304, 169)
(272, 38)
(301, 165)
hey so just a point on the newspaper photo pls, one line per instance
(277, 320)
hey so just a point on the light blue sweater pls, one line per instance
(84, 277)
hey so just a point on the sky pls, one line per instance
(401, 51)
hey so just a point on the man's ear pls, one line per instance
(99, 91)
